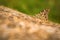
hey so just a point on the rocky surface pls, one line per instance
(15, 25)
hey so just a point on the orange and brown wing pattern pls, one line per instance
(15, 25)
(43, 15)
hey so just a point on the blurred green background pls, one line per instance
(32, 7)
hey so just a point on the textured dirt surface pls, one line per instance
(15, 25)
